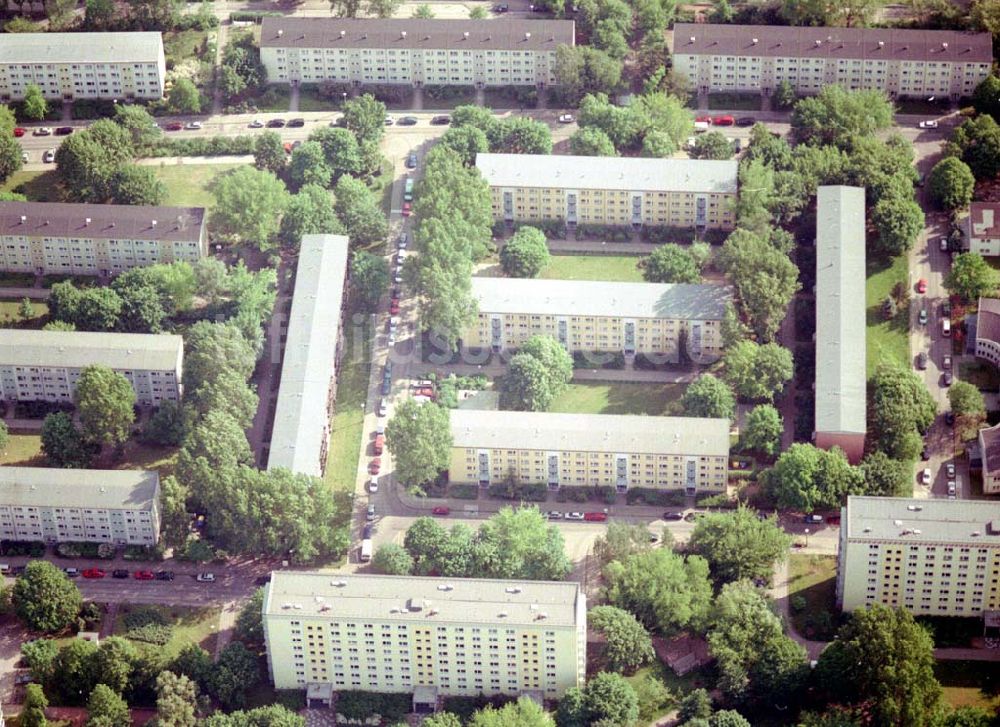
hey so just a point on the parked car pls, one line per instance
(426, 391)
(296, 123)
(378, 447)
(386, 384)
(382, 408)
(703, 119)
(928, 124)
(725, 120)
(921, 286)
(388, 120)
(42, 131)
(18, 131)
(746, 121)
(205, 578)
(373, 485)
(296, 144)
(370, 513)
(441, 120)
(256, 124)
(946, 362)
(595, 517)
(402, 241)
(943, 244)
(924, 454)
(922, 317)
(921, 360)
(945, 326)
(947, 378)
(375, 465)
(407, 121)
(93, 573)
(407, 209)
(566, 119)
(173, 126)
(144, 575)
(119, 573)
(192, 125)
(276, 123)
(411, 161)
(441, 510)
(574, 516)
(366, 532)
(501, 8)
(64, 130)
(394, 306)
(949, 418)
(554, 515)
(951, 487)
(925, 476)
(949, 470)
(340, 121)
(946, 308)
(812, 518)
(164, 575)
(673, 515)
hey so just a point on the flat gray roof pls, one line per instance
(635, 434)
(560, 171)
(101, 221)
(76, 349)
(413, 33)
(938, 520)
(307, 369)
(419, 600)
(599, 298)
(874, 44)
(55, 487)
(841, 374)
(132, 47)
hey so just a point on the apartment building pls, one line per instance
(67, 66)
(983, 228)
(413, 52)
(933, 557)
(842, 379)
(45, 365)
(656, 319)
(592, 450)
(989, 450)
(99, 506)
(988, 330)
(630, 191)
(301, 428)
(47, 238)
(756, 58)
(430, 636)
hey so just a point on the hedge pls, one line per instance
(205, 146)
(464, 492)
(607, 360)
(657, 498)
(30, 548)
(105, 551)
(252, 16)
(531, 493)
(392, 707)
(158, 634)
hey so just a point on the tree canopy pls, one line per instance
(838, 117)
(758, 372)
(900, 409)
(249, 204)
(806, 478)
(628, 645)
(537, 374)
(419, 437)
(708, 397)
(45, 598)
(951, 183)
(525, 254)
(739, 545)
(971, 277)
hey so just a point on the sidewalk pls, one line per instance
(18, 293)
(608, 375)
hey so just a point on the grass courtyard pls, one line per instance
(616, 268)
(970, 683)
(10, 316)
(886, 340)
(24, 450)
(812, 578)
(187, 625)
(620, 398)
(348, 418)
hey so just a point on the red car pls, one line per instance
(407, 208)
(174, 126)
(921, 286)
(703, 119)
(394, 306)
(595, 517)
(723, 121)
(93, 573)
(143, 575)
(374, 466)
(18, 131)
(379, 443)
(424, 391)
(441, 510)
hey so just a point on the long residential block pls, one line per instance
(933, 557)
(989, 449)
(621, 451)
(841, 379)
(660, 319)
(67, 66)
(301, 430)
(465, 636)
(632, 191)
(413, 52)
(756, 58)
(101, 506)
(45, 365)
(97, 239)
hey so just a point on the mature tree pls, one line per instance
(308, 166)
(695, 705)
(662, 589)
(364, 117)
(738, 544)
(884, 659)
(113, 663)
(728, 718)
(713, 145)
(345, 8)
(369, 279)
(670, 263)
(806, 478)
(10, 156)
(607, 700)
(211, 348)
(621, 540)
(137, 185)
(762, 430)
(269, 153)
(628, 645)
(62, 443)
(423, 12)
(360, 212)
(215, 447)
(106, 708)
(977, 143)
(392, 560)
(236, 673)
(176, 700)
(837, 116)
(184, 97)
(35, 704)
(466, 141)
(45, 598)
(754, 657)
(4, 436)
(139, 123)
(105, 402)
(87, 160)
(520, 135)
(174, 518)
(966, 717)
(850, 14)
(900, 409)
(971, 277)
(474, 115)
(419, 437)
(658, 145)
(758, 372)
(74, 677)
(249, 204)
(520, 543)
(310, 212)
(536, 375)
(951, 183)
(442, 719)
(249, 622)
(522, 713)
(969, 407)
(898, 221)
(986, 97)
(886, 477)
(582, 69)
(591, 142)
(708, 397)
(35, 106)
(525, 254)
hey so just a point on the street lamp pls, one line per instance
(807, 537)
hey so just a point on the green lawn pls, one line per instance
(188, 185)
(886, 340)
(814, 578)
(36, 186)
(734, 101)
(190, 625)
(617, 268)
(348, 418)
(620, 398)
(184, 45)
(970, 683)
(654, 703)
(24, 450)
(10, 316)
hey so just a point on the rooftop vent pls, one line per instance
(402, 34)
(104, 489)
(913, 508)
(944, 46)
(502, 614)
(867, 530)
(465, 34)
(513, 589)
(414, 604)
(754, 41)
(280, 32)
(976, 533)
(86, 221)
(343, 33)
(446, 587)
(338, 584)
(818, 42)
(692, 39)
(881, 43)
(24, 219)
(433, 612)
(154, 223)
(917, 532)
(540, 616)
(527, 36)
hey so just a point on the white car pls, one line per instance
(401, 242)
(943, 244)
(925, 476)
(951, 487)
(373, 485)
(566, 119)
(192, 125)
(382, 408)
(928, 124)
(205, 578)
(554, 515)
(49, 156)
(43, 131)
(256, 124)
(388, 120)
(24, 156)
(574, 516)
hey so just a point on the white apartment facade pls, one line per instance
(413, 52)
(46, 238)
(66, 66)
(45, 365)
(903, 63)
(461, 637)
(933, 557)
(983, 228)
(100, 506)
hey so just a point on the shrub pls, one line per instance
(253, 16)
(607, 494)
(143, 552)
(393, 707)
(30, 548)
(719, 499)
(157, 634)
(656, 498)
(140, 616)
(529, 493)
(798, 603)
(613, 360)
(447, 93)
(574, 494)
(464, 492)
(660, 234)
